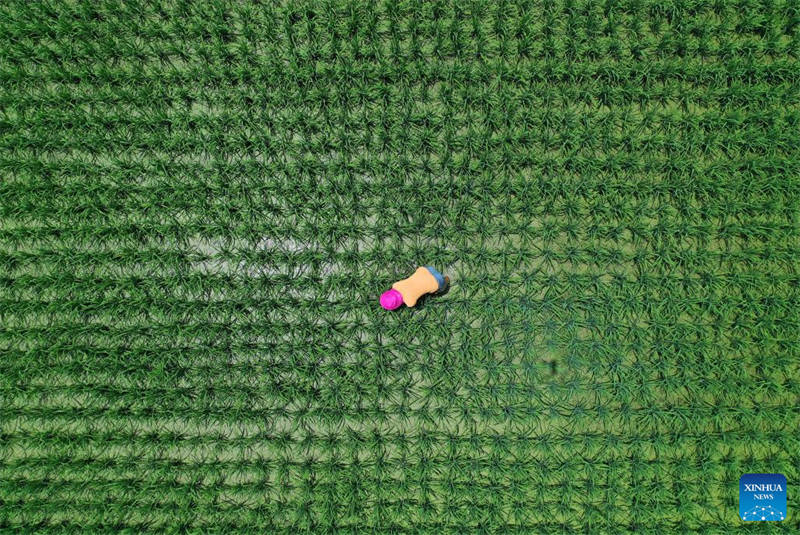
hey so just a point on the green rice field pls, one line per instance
(201, 202)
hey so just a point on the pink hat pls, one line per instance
(391, 299)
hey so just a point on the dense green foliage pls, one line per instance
(201, 203)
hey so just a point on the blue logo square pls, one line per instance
(762, 497)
